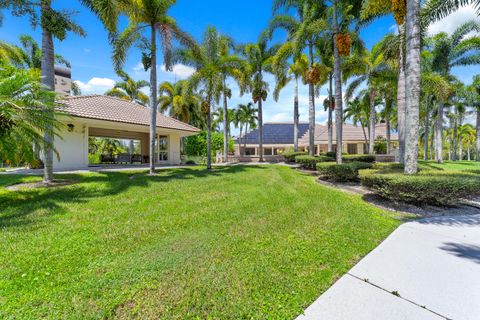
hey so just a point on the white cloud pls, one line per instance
(96, 85)
(87, 50)
(451, 22)
(179, 72)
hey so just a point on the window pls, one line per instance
(249, 151)
(163, 148)
(267, 151)
(352, 148)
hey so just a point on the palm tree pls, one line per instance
(129, 89)
(209, 65)
(152, 16)
(245, 117)
(180, 105)
(370, 68)
(295, 71)
(357, 111)
(467, 134)
(474, 90)
(434, 10)
(259, 61)
(231, 66)
(56, 23)
(23, 101)
(303, 32)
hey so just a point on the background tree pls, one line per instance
(173, 98)
(55, 24)
(143, 17)
(129, 89)
(259, 58)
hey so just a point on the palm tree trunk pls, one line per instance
(364, 133)
(48, 79)
(412, 77)
(468, 152)
(477, 144)
(311, 108)
(372, 123)
(388, 134)
(432, 144)
(455, 140)
(240, 141)
(401, 99)
(295, 116)
(460, 152)
(245, 138)
(153, 98)
(209, 134)
(330, 115)
(439, 134)
(225, 122)
(338, 86)
(260, 130)
(425, 136)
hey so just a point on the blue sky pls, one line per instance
(243, 20)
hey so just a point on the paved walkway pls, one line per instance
(427, 269)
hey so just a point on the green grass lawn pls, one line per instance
(452, 165)
(240, 242)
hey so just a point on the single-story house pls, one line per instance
(111, 117)
(278, 137)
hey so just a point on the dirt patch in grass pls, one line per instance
(40, 184)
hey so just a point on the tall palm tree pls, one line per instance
(370, 68)
(474, 90)
(412, 82)
(129, 89)
(259, 59)
(235, 69)
(434, 10)
(245, 117)
(304, 30)
(296, 71)
(143, 17)
(180, 105)
(208, 78)
(55, 24)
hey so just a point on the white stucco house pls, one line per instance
(104, 116)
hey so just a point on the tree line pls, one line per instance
(407, 73)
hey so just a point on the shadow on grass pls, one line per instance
(16, 207)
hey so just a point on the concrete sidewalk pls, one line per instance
(427, 269)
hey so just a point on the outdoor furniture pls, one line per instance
(122, 158)
(136, 158)
(106, 158)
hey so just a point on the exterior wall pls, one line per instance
(72, 147)
(174, 149)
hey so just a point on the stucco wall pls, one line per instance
(72, 147)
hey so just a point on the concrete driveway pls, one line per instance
(427, 269)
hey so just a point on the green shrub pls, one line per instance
(345, 172)
(310, 162)
(426, 187)
(290, 156)
(359, 158)
(332, 154)
(94, 158)
(191, 162)
(3, 170)
(197, 145)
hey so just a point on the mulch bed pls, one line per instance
(40, 184)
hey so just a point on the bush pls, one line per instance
(426, 187)
(310, 162)
(197, 145)
(359, 158)
(290, 156)
(345, 172)
(190, 162)
(332, 154)
(94, 158)
(3, 170)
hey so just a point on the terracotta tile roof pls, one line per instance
(107, 108)
(350, 133)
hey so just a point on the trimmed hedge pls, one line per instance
(359, 158)
(345, 172)
(310, 162)
(290, 156)
(426, 187)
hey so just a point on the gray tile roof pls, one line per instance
(107, 108)
(282, 133)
